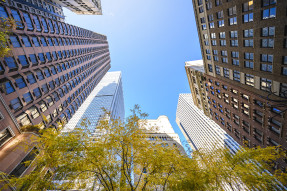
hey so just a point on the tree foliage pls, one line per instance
(120, 157)
(6, 26)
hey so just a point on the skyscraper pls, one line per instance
(161, 130)
(107, 94)
(201, 132)
(52, 69)
(85, 7)
(244, 50)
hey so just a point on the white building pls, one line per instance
(160, 129)
(107, 94)
(200, 131)
(82, 7)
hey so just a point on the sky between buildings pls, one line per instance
(149, 42)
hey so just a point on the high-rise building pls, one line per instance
(107, 94)
(52, 69)
(201, 132)
(85, 7)
(244, 50)
(161, 130)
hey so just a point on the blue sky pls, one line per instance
(149, 42)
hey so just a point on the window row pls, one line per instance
(31, 78)
(41, 24)
(42, 58)
(27, 41)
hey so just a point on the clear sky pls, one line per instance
(149, 42)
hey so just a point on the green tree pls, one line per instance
(6, 26)
(121, 157)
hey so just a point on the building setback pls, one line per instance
(107, 94)
(85, 7)
(160, 130)
(52, 69)
(244, 87)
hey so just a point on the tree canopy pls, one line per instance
(120, 157)
(6, 26)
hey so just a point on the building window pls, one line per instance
(218, 2)
(33, 59)
(210, 68)
(219, 14)
(15, 104)
(235, 62)
(15, 41)
(248, 43)
(233, 21)
(217, 70)
(267, 58)
(232, 11)
(43, 41)
(208, 5)
(222, 35)
(202, 19)
(267, 43)
(37, 93)
(37, 23)
(31, 79)
(23, 60)
(26, 41)
(234, 54)
(265, 84)
(268, 2)
(210, 17)
(268, 31)
(34, 112)
(248, 18)
(21, 168)
(10, 62)
(248, 33)
(236, 76)
(36, 41)
(248, 56)
(283, 90)
(248, 6)
(20, 82)
(49, 100)
(51, 26)
(203, 27)
(233, 34)
(27, 97)
(9, 87)
(49, 57)
(42, 57)
(269, 13)
(266, 67)
(234, 43)
(213, 42)
(224, 53)
(220, 23)
(226, 72)
(224, 60)
(222, 42)
(17, 19)
(5, 136)
(249, 80)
